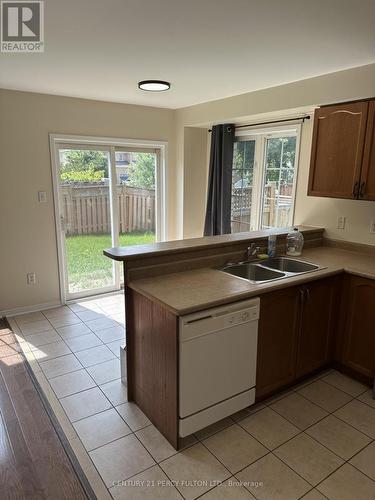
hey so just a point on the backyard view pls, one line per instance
(87, 267)
(86, 210)
(275, 184)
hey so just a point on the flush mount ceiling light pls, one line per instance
(154, 85)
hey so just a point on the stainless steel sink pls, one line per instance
(271, 269)
(252, 272)
(289, 265)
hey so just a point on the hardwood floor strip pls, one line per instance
(11, 484)
(20, 455)
(35, 464)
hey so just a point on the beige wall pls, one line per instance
(27, 228)
(335, 87)
(282, 101)
(195, 180)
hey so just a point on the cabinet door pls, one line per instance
(317, 322)
(337, 150)
(367, 185)
(359, 337)
(277, 339)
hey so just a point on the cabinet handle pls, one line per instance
(355, 189)
(308, 293)
(362, 189)
(302, 295)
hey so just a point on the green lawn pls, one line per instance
(87, 266)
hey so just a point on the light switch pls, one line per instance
(341, 221)
(42, 196)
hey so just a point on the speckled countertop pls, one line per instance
(190, 291)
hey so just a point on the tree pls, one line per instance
(243, 160)
(243, 163)
(142, 171)
(83, 165)
(285, 146)
(88, 175)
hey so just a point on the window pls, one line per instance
(264, 178)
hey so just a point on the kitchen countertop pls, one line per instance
(126, 254)
(190, 291)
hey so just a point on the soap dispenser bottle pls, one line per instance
(294, 243)
(271, 250)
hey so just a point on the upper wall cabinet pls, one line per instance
(343, 151)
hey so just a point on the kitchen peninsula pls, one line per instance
(298, 330)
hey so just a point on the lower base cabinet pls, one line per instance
(319, 310)
(296, 333)
(277, 340)
(358, 342)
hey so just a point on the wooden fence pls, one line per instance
(276, 208)
(86, 209)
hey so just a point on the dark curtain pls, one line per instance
(220, 181)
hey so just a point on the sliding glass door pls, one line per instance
(86, 218)
(104, 196)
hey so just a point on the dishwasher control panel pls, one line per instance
(241, 317)
(220, 318)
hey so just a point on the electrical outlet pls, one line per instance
(341, 221)
(372, 226)
(31, 279)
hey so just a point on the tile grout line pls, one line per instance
(328, 414)
(249, 414)
(199, 440)
(71, 424)
(74, 354)
(269, 451)
(303, 432)
(344, 460)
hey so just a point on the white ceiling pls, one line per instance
(207, 49)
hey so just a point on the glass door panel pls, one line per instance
(86, 219)
(136, 200)
(242, 211)
(278, 182)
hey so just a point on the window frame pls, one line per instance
(260, 136)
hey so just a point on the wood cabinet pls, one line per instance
(358, 346)
(277, 339)
(295, 333)
(318, 310)
(152, 362)
(343, 151)
(367, 187)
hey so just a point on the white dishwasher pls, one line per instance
(217, 365)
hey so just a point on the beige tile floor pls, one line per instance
(314, 441)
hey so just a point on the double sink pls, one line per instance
(273, 268)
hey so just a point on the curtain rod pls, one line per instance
(303, 118)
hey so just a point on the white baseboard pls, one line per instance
(49, 305)
(27, 309)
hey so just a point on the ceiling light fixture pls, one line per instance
(154, 85)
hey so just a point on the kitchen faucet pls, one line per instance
(252, 252)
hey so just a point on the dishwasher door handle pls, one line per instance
(196, 320)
